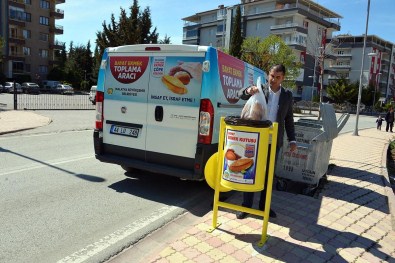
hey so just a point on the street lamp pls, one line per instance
(360, 76)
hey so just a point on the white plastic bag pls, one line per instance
(256, 107)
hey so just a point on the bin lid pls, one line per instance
(329, 123)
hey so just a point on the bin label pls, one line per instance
(241, 155)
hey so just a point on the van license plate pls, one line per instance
(132, 132)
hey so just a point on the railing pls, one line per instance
(339, 66)
(292, 42)
(343, 55)
(284, 26)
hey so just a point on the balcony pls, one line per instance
(340, 66)
(344, 55)
(17, 3)
(58, 30)
(57, 13)
(16, 56)
(16, 40)
(16, 22)
(296, 45)
(53, 62)
(57, 45)
(289, 27)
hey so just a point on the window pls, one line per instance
(26, 34)
(43, 53)
(42, 69)
(17, 66)
(305, 24)
(340, 52)
(302, 57)
(258, 26)
(44, 20)
(13, 33)
(44, 4)
(26, 51)
(28, 17)
(28, 2)
(16, 13)
(44, 37)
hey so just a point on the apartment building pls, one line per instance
(29, 28)
(379, 62)
(304, 25)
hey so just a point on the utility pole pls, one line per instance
(321, 58)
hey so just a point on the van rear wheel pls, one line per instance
(128, 169)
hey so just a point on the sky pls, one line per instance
(82, 19)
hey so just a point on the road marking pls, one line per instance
(16, 135)
(109, 240)
(47, 164)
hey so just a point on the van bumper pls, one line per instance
(123, 156)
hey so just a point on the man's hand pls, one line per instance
(252, 90)
(292, 146)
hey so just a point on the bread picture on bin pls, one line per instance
(241, 165)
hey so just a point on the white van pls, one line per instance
(159, 106)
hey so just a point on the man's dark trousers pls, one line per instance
(248, 197)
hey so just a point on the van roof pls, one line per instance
(161, 47)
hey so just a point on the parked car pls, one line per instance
(1, 88)
(49, 86)
(30, 87)
(9, 87)
(64, 89)
(92, 95)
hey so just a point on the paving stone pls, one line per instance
(241, 255)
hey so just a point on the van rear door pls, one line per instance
(173, 108)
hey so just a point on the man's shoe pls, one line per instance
(272, 214)
(241, 215)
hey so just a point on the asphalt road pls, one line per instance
(59, 204)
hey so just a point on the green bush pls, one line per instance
(392, 145)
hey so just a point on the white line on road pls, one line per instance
(46, 164)
(56, 133)
(111, 239)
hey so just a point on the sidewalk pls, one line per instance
(18, 120)
(352, 220)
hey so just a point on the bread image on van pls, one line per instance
(158, 106)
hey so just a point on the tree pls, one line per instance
(165, 40)
(342, 90)
(264, 53)
(1, 49)
(135, 28)
(237, 38)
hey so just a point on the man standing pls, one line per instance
(279, 105)
(389, 118)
